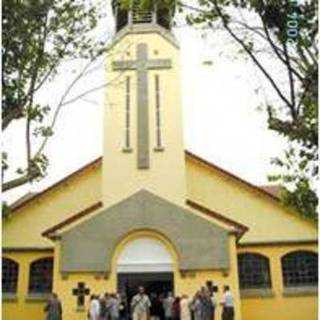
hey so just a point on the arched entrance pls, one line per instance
(145, 262)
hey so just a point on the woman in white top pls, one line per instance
(94, 308)
(185, 308)
(227, 304)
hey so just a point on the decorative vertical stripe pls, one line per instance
(127, 137)
(143, 104)
(158, 118)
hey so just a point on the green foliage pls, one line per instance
(290, 30)
(302, 199)
(5, 210)
(38, 36)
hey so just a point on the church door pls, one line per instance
(145, 262)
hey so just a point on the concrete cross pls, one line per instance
(142, 65)
(81, 292)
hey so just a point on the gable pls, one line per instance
(263, 214)
(207, 185)
(89, 246)
(30, 218)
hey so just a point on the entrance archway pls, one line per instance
(145, 255)
(145, 262)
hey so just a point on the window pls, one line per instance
(254, 271)
(127, 135)
(158, 115)
(164, 18)
(122, 18)
(41, 274)
(141, 15)
(300, 269)
(10, 272)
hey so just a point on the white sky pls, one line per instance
(221, 120)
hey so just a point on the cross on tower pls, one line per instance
(81, 292)
(142, 65)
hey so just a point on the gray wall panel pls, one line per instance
(90, 245)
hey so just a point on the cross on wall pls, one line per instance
(81, 292)
(141, 66)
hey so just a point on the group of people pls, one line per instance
(158, 307)
(108, 307)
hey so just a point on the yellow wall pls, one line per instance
(278, 307)
(166, 175)
(204, 186)
(23, 230)
(54, 206)
(264, 216)
(267, 220)
(22, 309)
(187, 284)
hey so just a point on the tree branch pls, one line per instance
(14, 183)
(278, 51)
(250, 53)
(291, 84)
(16, 112)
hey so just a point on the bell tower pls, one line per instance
(136, 14)
(143, 136)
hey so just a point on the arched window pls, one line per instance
(10, 272)
(254, 271)
(300, 268)
(41, 275)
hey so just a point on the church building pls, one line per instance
(150, 213)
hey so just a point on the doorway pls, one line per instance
(145, 262)
(158, 283)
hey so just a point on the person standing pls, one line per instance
(140, 305)
(207, 305)
(227, 304)
(156, 310)
(161, 298)
(196, 307)
(53, 308)
(167, 305)
(94, 308)
(185, 312)
(123, 307)
(114, 303)
(153, 308)
(176, 309)
(214, 305)
(103, 307)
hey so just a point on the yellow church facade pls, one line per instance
(148, 212)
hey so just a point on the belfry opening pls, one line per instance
(155, 13)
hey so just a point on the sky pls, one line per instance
(222, 121)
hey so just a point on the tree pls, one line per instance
(38, 37)
(287, 30)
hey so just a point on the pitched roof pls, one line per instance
(239, 229)
(262, 190)
(73, 218)
(25, 200)
(266, 190)
(22, 199)
(272, 189)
